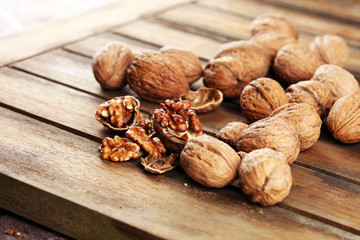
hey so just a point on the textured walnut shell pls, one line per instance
(155, 77)
(304, 118)
(260, 97)
(273, 22)
(227, 74)
(110, 63)
(275, 133)
(295, 62)
(204, 99)
(230, 133)
(343, 120)
(331, 49)
(188, 62)
(255, 60)
(311, 92)
(265, 177)
(210, 162)
(339, 81)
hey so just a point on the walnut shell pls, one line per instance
(110, 63)
(156, 77)
(304, 118)
(210, 162)
(343, 120)
(275, 133)
(265, 177)
(255, 60)
(188, 62)
(311, 92)
(295, 62)
(227, 74)
(273, 22)
(230, 133)
(331, 49)
(339, 81)
(204, 99)
(260, 97)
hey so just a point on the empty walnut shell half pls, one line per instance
(119, 113)
(204, 99)
(343, 120)
(231, 132)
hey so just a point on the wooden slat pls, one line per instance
(62, 183)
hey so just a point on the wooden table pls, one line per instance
(51, 172)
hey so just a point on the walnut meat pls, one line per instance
(331, 49)
(226, 74)
(304, 118)
(188, 62)
(339, 81)
(265, 177)
(343, 120)
(110, 64)
(204, 99)
(210, 161)
(275, 133)
(295, 62)
(260, 97)
(230, 133)
(119, 149)
(156, 77)
(311, 92)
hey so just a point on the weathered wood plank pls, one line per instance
(57, 179)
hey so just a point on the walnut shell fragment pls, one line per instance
(265, 177)
(230, 133)
(343, 120)
(275, 133)
(159, 165)
(210, 162)
(204, 99)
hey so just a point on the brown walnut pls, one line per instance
(260, 97)
(343, 120)
(265, 177)
(210, 161)
(204, 99)
(119, 149)
(230, 133)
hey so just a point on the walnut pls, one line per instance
(295, 62)
(210, 161)
(339, 81)
(311, 92)
(273, 22)
(304, 118)
(110, 64)
(156, 77)
(159, 165)
(176, 123)
(188, 62)
(343, 120)
(227, 74)
(265, 177)
(261, 97)
(255, 60)
(119, 113)
(118, 149)
(204, 99)
(331, 49)
(230, 133)
(275, 133)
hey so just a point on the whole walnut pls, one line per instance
(188, 62)
(295, 62)
(275, 133)
(339, 81)
(265, 177)
(156, 77)
(311, 92)
(273, 22)
(255, 60)
(304, 118)
(331, 49)
(226, 74)
(343, 120)
(260, 97)
(110, 63)
(210, 162)
(230, 133)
